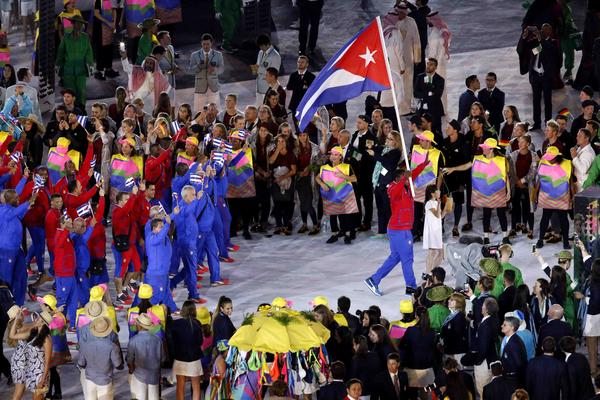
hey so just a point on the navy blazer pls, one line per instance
(557, 329)
(384, 387)
(465, 101)
(514, 359)
(494, 103)
(430, 94)
(333, 391)
(580, 383)
(500, 388)
(454, 334)
(486, 340)
(547, 379)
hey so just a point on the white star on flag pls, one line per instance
(368, 57)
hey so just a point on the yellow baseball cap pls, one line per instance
(551, 153)
(319, 300)
(279, 302)
(406, 306)
(338, 150)
(192, 140)
(97, 292)
(63, 142)
(427, 135)
(203, 315)
(489, 143)
(48, 300)
(145, 291)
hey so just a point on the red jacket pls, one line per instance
(16, 177)
(123, 219)
(52, 222)
(72, 202)
(402, 202)
(158, 171)
(64, 255)
(142, 211)
(36, 215)
(97, 242)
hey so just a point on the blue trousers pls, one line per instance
(38, 245)
(51, 268)
(225, 219)
(14, 272)
(83, 287)
(219, 233)
(401, 251)
(66, 294)
(161, 293)
(175, 260)
(188, 254)
(207, 243)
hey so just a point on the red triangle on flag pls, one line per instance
(365, 56)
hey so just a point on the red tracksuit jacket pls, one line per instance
(64, 255)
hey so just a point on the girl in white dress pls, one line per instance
(432, 230)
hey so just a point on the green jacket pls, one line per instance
(74, 55)
(593, 174)
(499, 280)
(229, 8)
(437, 316)
(145, 47)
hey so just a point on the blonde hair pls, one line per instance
(459, 299)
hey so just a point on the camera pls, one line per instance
(490, 251)
(426, 277)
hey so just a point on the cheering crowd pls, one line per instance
(164, 188)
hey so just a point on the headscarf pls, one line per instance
(437, 22)
(138, 76)
(389, 22)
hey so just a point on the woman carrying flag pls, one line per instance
(338, 196)
(554, 177)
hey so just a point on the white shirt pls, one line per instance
(356, 139)
(582, 163)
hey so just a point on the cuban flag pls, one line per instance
(85, 210)
(38, 182)
(130, 182)
(360, 66)
(97, 176)
(16, 156)
(93, 162)
(83, 120)
(175, 127)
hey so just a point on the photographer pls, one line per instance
(436, 278)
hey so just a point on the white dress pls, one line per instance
(432, 230)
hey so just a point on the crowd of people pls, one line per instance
(164, 188)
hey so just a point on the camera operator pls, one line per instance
(436, 278)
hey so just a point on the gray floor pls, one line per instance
(299, 267)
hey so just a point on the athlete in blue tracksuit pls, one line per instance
(182, 178)
(80, 239)
(186, 215)
(220, 192)
(12, 259)
(158, 251)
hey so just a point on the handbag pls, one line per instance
(98, 265)
(122, 241)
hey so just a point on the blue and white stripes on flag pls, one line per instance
(161, 208)
(175, 127)
(218, 143)
(206, 139)
(93, 162)
(65, 214)
(85, 210)
(97, 176)
(83, 120)
(196, 179)
(130, 182)
(218, 158)
(16, 156)
(38, 181)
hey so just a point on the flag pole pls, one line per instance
(392, 86)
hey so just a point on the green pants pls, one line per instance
(567, 46)
(77, 84)
(228, 24)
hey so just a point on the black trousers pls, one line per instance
(310, 14)
(521, 212)
(541, 85)
(263, 202)
(384, 211)
(242, 210)
(342, 223)
(364, 191)
(419, 219)
(459, 199)
(104, 57)
(283, 212)
(487, 217)
(547, 214)
(305, 194)
(55, 382)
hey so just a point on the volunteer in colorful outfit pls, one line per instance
(127, 168)
(398, 328)
(424, 151)
(63, 23)
(241, 191)
(74, 57)
(158, 312)
(58, 157)
(491, 187)
(60, 349)
(339, 201)
(190, 155)
(104, 26)
(554, 176)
